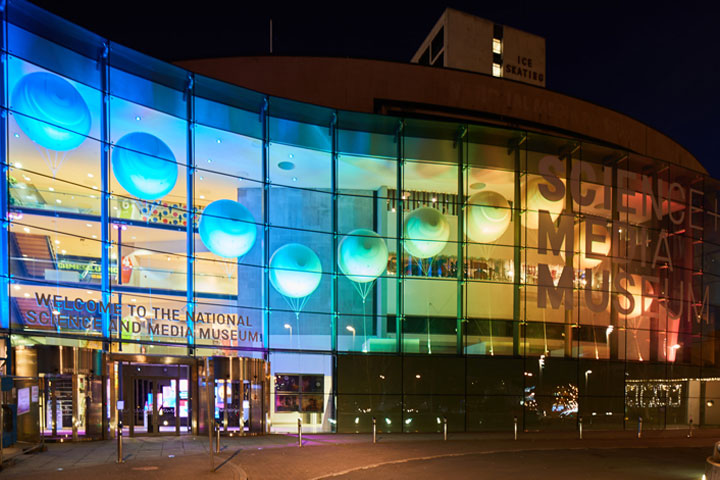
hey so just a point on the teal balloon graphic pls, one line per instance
(488, 217)
(295, 270)
(144, 165)
(227, 228)
(426, 232)
(362, 255)
(54, 114)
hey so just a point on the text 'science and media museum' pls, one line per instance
(336, 240)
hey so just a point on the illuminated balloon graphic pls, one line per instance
(642, 303)
(295, 271)
(227, 229)
(362, 255)
(536, 201)
(488, 217)
(426, 232)
(144, 165)
(54, 114)
(599, 247)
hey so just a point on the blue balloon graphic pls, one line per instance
(362, 255)
(295, 270)
(54, 114)
(144, 165)
(227, 228)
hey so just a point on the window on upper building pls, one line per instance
(497, 46)
(497, 70)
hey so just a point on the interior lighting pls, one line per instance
(51, 189)
(219, 140)
(138, 117)
(26, 295)
(675, 347)
(90, 175)
(26, 178)
(57, 200)
(388, 421)
(294, 179)
(26, 229)
(382, 377)
(17, 135)
(407, 421)
(202, 197)
(18, 165)
(64, 252)
(418, 376)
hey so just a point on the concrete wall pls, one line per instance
(368, 85)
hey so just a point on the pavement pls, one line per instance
(668, 454)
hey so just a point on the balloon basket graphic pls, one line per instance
(295, 272)
(53, 114)
(362, 258)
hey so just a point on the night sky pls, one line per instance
(655, 61)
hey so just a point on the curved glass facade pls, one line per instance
(398, 268)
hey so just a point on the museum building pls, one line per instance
(259, 240)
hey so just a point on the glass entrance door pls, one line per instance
(156, 406)
(157, 400)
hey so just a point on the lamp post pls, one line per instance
(289, 327)
(350, 328)
(587, 372)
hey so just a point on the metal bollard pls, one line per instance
(580, 426)
(639, 432)
(374, 430)
(515, 422)
(445, 428)
(217, 438)
(299, 432)
(689, 435)
(119, 440)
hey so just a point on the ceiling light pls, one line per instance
(27, 230)
(90, 175)
(138, 118)
(18, 165)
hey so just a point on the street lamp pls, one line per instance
(289, 327)
(587, 372)
(350, 328)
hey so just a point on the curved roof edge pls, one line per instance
(376, 86)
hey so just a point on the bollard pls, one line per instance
(445, 428)
(374, 430)
(580, 426)
(689, 435)
(515, 422)
(119, 439)
(217, 438)
(639, 432)
(299, 432)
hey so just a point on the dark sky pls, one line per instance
(656, 61)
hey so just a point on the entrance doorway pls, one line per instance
(157, 399)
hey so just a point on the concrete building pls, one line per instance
(261, 239)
